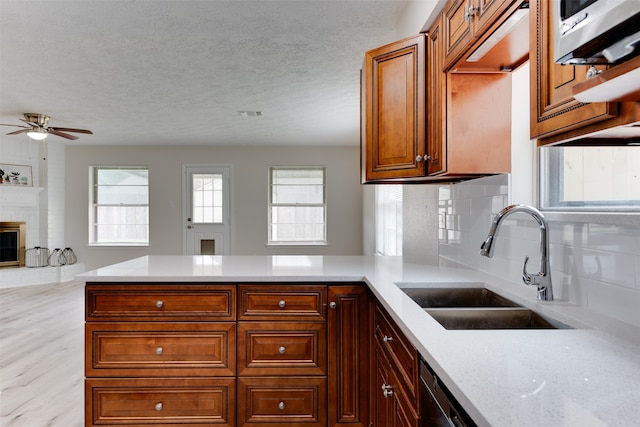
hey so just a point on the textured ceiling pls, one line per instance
(172, 72)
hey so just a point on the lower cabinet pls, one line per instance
(227, 354)
(394, 391)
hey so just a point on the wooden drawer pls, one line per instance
(402, 354)
(282, 348)
(135, 302)
(287, 302)
(267, 402)
(160, 349)
(160, 401)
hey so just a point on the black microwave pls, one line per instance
(596, 31)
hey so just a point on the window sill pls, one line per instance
(611, 218)
(297, 244)
(118, 245)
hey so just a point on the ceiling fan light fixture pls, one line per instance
(37, 134)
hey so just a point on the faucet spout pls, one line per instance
(543, 278)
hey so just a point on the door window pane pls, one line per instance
(207, 198)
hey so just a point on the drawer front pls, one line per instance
(160, 349)
(303, 302)
(282, 348)
(280, 401)
(160, 402)
(159, 302)
(402, 353)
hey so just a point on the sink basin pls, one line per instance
(492, 318)
(457, 297)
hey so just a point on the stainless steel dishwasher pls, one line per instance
(438, 408)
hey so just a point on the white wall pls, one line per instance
(249, 199)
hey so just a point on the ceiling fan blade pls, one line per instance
(17, 126)
(31, 123)
(71, 130)
(62, 134)
(19, 131)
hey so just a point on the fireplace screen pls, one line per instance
(12, 244)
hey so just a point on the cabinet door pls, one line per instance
(457, 29)
(394, 117)
(349, 332)
(383, 403)
(437, 95)
(486, 11)
(553, 108)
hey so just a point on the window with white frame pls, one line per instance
(119, 205)
(297, 205)
(388, 219)
(590, 178)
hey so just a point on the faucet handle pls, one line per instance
(527, 278)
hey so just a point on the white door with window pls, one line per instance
(206, 210)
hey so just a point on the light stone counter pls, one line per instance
(585, 376)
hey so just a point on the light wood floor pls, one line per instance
(42, 355)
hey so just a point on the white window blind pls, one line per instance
(119, 211)
(297, 205)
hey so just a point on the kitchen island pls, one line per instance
(587, 375)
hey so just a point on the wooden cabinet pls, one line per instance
(436, 101)
(190, 354)
(394, 394)
(464, 21)
(349, 333)
(553, 108)
(555, 115)
(393, 120)
(158, 354)
(274, 353)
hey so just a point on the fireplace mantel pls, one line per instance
(19, 195)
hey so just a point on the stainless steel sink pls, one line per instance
(457, 297)
(492, 318)
(477, 308)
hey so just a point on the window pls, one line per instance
(590, 178)
(388, 219)
(119, 211)
(207, 198)
(297, 205)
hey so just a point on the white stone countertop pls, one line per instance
(585, 376)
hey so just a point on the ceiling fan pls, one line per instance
(39, 128)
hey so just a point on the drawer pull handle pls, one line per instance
(159, 406)
(281, 405)
(387, 339)
(281, 304)
(159, 304)
(159, 350)
(281, 350)
(333, 305)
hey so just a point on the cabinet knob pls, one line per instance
(281, 350)
(159, 350)
(420, 158)
(387, 339)
(281, 405)
(333, 305)
(387, 390)
(159, 304)
(159, 406)
(281, 304)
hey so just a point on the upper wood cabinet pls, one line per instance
(465, 21)
(393, 120)
(555, 115)
(553, 108)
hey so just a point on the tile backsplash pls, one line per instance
(596, 266)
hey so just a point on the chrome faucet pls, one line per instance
(543, 279)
